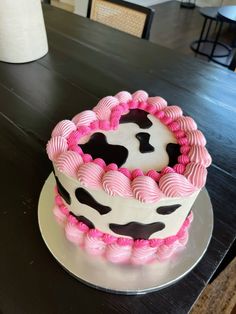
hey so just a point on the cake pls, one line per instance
(127, 174)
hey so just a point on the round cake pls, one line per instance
(127, 174)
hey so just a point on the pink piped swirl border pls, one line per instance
(118, 249)
(181, 180)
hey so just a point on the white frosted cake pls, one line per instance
(128, 172)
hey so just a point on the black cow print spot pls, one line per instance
(137, 116)
(137, 230)
(84, 220)
(166, 210)
(98, 147)
(62, 191)
(86, 198)
(173, 151)
(144, 145)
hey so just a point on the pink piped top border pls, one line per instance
(187, 176)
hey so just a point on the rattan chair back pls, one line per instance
(124, 16)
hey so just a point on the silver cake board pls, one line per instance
(124, 279)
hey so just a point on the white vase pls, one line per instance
(22, 31)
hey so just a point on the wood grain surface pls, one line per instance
(87, 61)
(219, 297)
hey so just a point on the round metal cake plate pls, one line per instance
(124, 279)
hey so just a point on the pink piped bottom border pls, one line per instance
(118, 249)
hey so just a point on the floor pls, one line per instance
(64, 6)
(219, 297)
(176, 28)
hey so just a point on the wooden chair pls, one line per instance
(122, 15)
(232, 65)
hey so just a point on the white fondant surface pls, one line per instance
(160, 136)
(125, 210)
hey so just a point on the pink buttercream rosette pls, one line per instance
(184, 178)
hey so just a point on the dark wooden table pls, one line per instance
(87, 61)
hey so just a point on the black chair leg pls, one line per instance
(201, 35)
(208, 30)
(216, 40)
